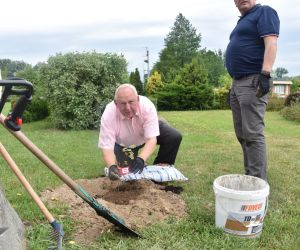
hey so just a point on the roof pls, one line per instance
(278, 82)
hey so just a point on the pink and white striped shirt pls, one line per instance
(128, 132)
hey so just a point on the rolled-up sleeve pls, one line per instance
(107, 135)
(151, 127)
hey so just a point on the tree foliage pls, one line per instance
(292, 98)
(32, 75)
(181, 45)
(221, 94)
(280, 72)
(214, 63)
(190, 90)
(295, 86)
(135, 80)
(38, 108)
(79, 85)
(193, 73)
(291, 112)
(9, 67)
(154, 83)
(180, 97)
(29, 74)
(225, 80)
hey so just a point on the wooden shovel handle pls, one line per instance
(42, 157)
(25, 183)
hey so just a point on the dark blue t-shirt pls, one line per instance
(245, 51)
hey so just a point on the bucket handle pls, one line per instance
(250, 225)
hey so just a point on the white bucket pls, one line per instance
(241, 204)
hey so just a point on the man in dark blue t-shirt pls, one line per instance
(250, 56)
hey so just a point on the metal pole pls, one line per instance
(147, 62)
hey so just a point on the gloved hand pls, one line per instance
(137, 166)
(263, 84)
(113, 172)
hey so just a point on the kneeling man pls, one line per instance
(130, 131)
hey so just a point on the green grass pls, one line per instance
(209, 149)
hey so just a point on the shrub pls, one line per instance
(292, 98)
(36, 110)
(292, 112)
(295, 86)
(154, 83)
(275, 104)
(190, 90)
(79, 85)
(221, 96)
(180, 97)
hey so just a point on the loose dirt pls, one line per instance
(140, 203)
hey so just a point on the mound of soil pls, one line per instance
(140, 203)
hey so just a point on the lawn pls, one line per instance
(209, 149)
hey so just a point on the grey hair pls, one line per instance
(123, 86)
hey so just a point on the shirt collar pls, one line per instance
(254, 8)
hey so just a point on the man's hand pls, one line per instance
(113, 173)
(137, 165)
(263, 84)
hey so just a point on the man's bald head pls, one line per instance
(127, 100)
(124, 86)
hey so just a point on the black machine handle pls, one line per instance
(16, 86)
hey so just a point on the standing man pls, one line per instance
(250, 56)
(130, 131)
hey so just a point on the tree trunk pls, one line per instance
(11, 227)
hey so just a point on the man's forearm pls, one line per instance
(109, 157)
(148, 149)
(270, 53)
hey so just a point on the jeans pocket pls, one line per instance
(254, 83)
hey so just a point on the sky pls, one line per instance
(33, 30)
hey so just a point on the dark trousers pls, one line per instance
(169, 141)
(248, 117)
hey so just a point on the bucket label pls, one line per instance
(252, 207)
(243, 224)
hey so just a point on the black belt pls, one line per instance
(240, 77)
(243, 76)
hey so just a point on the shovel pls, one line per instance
(13, 125)
(100, 209)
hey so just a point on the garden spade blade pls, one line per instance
(105, 213)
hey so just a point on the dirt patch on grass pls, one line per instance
(140, 203)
